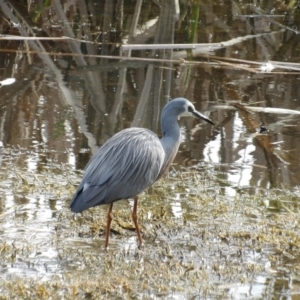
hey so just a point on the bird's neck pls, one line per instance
(170, 141)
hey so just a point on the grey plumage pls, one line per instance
(124, 166)
(131, 161)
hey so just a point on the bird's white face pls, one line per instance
(188, 112)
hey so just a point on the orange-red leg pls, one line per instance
(135, 220)
(109, 219)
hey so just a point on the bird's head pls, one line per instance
(182, 107)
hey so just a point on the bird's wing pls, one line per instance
(123, 167)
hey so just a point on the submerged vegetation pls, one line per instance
(72, 76)
(198, 240)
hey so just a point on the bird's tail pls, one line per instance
(77, 204)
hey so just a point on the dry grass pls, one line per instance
(199, 243)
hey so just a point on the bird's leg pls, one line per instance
(109, 219)
(135, 220)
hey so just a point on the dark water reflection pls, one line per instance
(64, 105)
(76, 103)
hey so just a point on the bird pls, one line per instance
(131, 161)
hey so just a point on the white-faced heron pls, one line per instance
(131, 161)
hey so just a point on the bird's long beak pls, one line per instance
(200, 116)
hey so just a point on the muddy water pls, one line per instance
(69, 97)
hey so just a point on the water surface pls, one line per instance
(71, 94)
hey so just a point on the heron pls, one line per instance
(131, 161)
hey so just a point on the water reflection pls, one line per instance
(106, 96)
(67, 98)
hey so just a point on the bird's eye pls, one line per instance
(190, 109)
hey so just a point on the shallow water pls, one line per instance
(70, 96)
